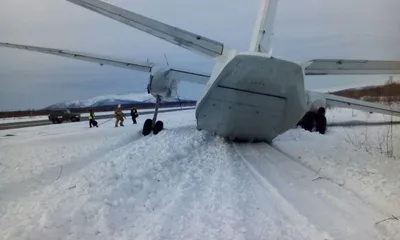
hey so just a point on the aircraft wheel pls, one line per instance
(147, 126)
(308, 121)
(321, 124)
(158, 127)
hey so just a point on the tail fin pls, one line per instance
(263, 30)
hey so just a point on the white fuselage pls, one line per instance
(252, 97)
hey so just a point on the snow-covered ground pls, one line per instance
(72, 182)
(38, 118)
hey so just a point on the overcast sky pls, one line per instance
(304, 30)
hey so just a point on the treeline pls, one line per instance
(27, 113)
(384, 93)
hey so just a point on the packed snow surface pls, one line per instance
(38, 118)
(71, 182)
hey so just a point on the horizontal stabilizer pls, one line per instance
(185, 39)
(343, 102)
(189, 76)
(351, 67)
(133, 65)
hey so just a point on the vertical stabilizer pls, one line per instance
(263, 30)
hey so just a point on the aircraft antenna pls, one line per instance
(166, 59)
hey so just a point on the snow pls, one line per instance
(23, 119)
(71, 182)
(38, 118)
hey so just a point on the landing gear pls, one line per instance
(152, 124)
(147, 126)
(314, 120)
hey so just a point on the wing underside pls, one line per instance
(180, 37)
(133, 65)
(351, 67)
(189, 76)
(343, 102)
(181, 74)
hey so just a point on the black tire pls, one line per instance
(158, 127)
(73, 119)
(147, 126)
(321, 124)
(54, 121)
(307, 122)
(59, 121)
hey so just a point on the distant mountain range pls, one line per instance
(111, 100)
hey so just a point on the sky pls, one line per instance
(307, 29)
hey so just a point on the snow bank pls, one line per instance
(359, 158)
(71, 182)
(193, 186)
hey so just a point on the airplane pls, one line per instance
(163, 80)
(249, 96)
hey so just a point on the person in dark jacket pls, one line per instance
(134, 115)
(92, 119)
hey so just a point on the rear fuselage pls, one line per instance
(252, 97)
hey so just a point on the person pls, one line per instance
(119, 116)
(92, 119)
(134, 115)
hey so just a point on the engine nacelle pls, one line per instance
(161, 84)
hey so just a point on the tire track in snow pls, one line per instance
(206, 192)
(335, 181)
(180, 184)
(328, 206)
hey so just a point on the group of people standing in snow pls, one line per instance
(118, 114)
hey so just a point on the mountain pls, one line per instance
(110, 100)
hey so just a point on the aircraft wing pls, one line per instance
(181, 74)
(180, 37)
(133, 65)
(344, 102)
(351, 67)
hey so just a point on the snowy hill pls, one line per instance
(108, 100)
